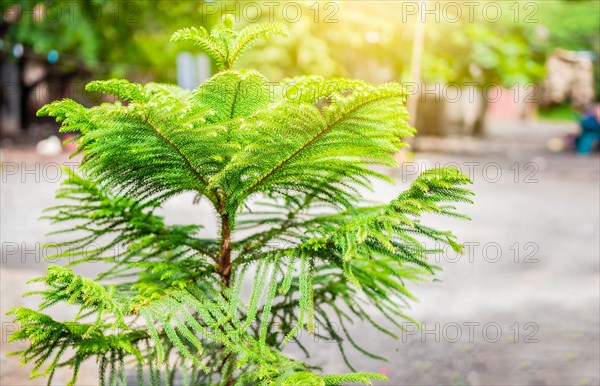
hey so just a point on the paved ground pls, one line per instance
(521, 307)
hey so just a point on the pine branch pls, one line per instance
(139, 235)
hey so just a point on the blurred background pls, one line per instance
(507, 91)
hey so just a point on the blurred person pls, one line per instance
(590, 130)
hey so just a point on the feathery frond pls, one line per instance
(224, 44)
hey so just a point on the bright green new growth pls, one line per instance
(285, 166)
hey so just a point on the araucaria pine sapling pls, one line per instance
(284, 167)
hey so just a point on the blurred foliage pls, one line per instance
(489, 47)
(504, 43)
(571, 25)
(111, 37)
(344, 41)
(560, 113)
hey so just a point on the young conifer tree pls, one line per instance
(284, 168)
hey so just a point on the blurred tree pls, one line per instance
(337, 38)
(369, 40)
(484, 45)
(570, 25)
(332, 39)
(106, 36)
(75, 39)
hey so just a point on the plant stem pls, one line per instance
(225, 268)
(225, 258)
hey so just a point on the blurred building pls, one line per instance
(570, 78)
